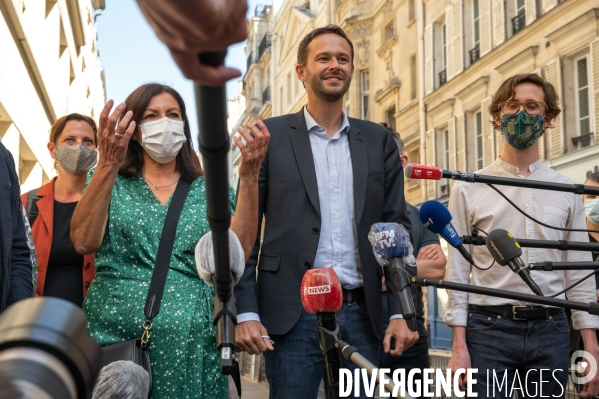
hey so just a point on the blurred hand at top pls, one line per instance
(191, 27)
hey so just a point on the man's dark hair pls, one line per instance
(187, 163)
(594, 177)
(507, 91)
(396, 137)
(302, 50)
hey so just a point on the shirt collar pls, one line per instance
(513, 169)
(311, 123)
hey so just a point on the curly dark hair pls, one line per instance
(507, 91)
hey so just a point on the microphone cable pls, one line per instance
(535, 220)
(575, 284)
(475, 231)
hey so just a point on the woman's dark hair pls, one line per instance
(187, 160)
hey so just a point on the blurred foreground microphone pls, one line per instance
(46, 352)
(506, 251)
(436, 217)
(390, 245)
(204, 256)
(321, 295)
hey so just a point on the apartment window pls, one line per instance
(519, 21)
(475, 51)
(478, 129)
(583, 116)
(281, 100)
(390, 117)
(364, 93)
(411, 10)
(346, 102)
(443, 71)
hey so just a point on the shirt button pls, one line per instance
(315, 230)
(307, 265)
(331, 166)
(336, 238)
(87, 265)
(328, 145)
(333, 188)
(86, 284)
(334, 212)
(336, 263)
(528, 205)
(529, 235)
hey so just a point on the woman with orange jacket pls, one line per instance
(62, 272)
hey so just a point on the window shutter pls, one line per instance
(548, 5)
(556, 137)
(594, 73)
(458, 47)
(499, 141)
(460, 143)
(428, 59)
(488, 135)
(485, 27)
(450, 41)
(531, 11)
(498, 23)
(430, 160)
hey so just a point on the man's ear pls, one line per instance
(497, 119)
(547, 121)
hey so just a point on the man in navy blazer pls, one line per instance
(15, 265)
(325, 180)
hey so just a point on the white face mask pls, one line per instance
(162, 139)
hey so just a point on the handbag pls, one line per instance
(136, 350)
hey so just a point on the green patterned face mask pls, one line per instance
(521, 130)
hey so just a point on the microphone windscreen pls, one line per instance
(408, 171)
(389, 240)
(321, 291)
(204, 257)
(503, 246)
(434, 215)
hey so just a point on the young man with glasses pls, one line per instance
(525, 342)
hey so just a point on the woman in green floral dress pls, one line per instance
(120, 217)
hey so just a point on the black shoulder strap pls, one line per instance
(165, 249)
(32, 210)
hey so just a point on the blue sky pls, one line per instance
(131, 55)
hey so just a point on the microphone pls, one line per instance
(391, 244)
(321, 295)
(206, 265)
(506, 251)
(415, 171)
(436, 217)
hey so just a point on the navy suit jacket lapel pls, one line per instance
(302, 149)
(359, 160)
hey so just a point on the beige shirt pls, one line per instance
(477, 205)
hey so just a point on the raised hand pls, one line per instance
(114, 139)
(252, 153)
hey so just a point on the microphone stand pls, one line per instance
(211, 105)
(551, 266)
(506, 181)
(525, 243)
(591, 307)
(351, 354)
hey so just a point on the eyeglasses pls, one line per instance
(530, 107)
